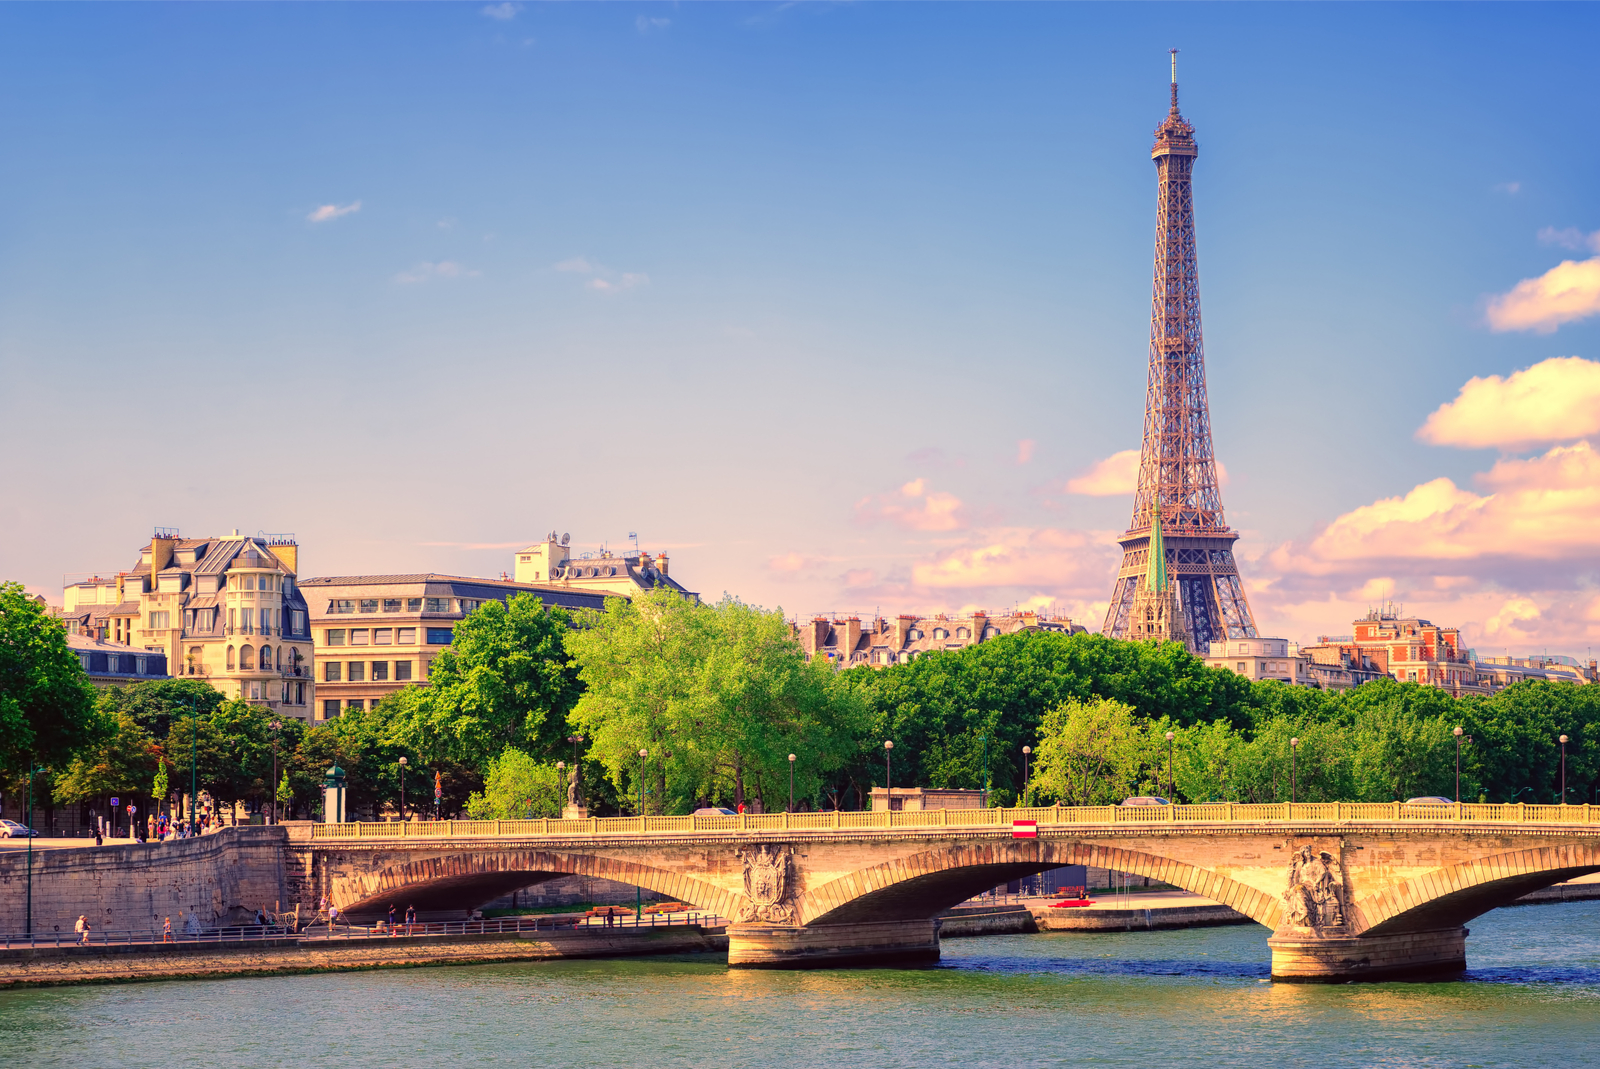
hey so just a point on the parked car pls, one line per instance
(1145, 799)
(1430, 799)
(10, 829)
(715, 811)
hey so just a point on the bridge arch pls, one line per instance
(925, 884)
(466, 879)
(1451, 896)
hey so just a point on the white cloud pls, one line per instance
(604, 280)
(1567, 292)
(443, 269)
(1570, 238)
(645, 24)
(577, 265)
(1555, 400)
(502, 12)
(1116, 474)
(914, 508)
(329, 212)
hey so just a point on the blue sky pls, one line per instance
(786, 288)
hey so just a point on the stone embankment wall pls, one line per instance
(102, 964)
(220, 878)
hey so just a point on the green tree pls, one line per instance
(122, 764)
(518, 788)
(1089, 753)
(47, 709)
(505, 681)
(157, 704)
(231, 748)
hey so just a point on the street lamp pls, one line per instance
(273, 808)
(1293, 745)
(31, 771)
(1563, 770)
(402, 788)
(888, 776)
(1169, 766)
(642, 755)
(791, 783)
(194, 774)
(985, 740)
(576, 767)
(1457, 734)
(1026, 750)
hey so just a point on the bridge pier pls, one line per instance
(1339, 959)
(827, 946)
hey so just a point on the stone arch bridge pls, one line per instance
(1347, 890)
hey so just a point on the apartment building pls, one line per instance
(1284, 661)
(882, 641)
(377, 633)
(1409, 649)
(550, 563)
(226, 610)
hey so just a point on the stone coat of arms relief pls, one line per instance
(1316, 900)
(769, 885)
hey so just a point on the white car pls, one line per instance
(10, 829)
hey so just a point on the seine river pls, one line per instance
(1187, 998)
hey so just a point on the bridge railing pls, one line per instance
(1211, 812)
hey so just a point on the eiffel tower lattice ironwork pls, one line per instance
(1177, 471)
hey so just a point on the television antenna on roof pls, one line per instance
(565, 538)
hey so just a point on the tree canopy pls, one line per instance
(47, 708)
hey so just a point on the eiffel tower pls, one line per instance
(1177, 471)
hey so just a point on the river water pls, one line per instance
(1154, 999)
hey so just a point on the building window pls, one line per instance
(247, 658)
(297, 621)
(402, 671)
(261, 582)
(356, 671)
(439, 636)
(334, 636)
(436, 604)
(391, 604)
(230, 658)
(1242, 669)
(962, 632)
(335, 607)
(299, 693)
(940, 633)
(525, 558)
(330, 672)
(330, 708)
(356, 703)
(266, 658)
(359, 636)
(255, 691)
(405, 636)
(369, 604)
(413, 605)
(383, 636)
(380, 671)
(160, 621)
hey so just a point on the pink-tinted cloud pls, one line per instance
(1567, 292)
(915, 508)
(1570, 238)
(1555, 400)
(1116, 474)
(788, 562)
(1025, 450)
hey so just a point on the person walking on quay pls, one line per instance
(411, 918)
(393, 931)
(166, 930)
(99, 839)
(82, 928)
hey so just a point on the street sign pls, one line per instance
(132, 809)
(115, 802)
(1024, 829)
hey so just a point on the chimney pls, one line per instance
(661, 563)
(288, 554)
(902, 628)
(817, 637)
(161, 550)
(850, 639)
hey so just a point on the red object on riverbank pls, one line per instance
(1075, 902)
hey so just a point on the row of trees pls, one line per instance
(682, 704)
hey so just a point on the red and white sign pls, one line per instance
(1024, 829)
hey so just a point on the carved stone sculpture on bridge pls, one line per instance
(1315, 898)
(768, 885)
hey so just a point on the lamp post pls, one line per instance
(31, 771)
(791, 783)
(642, 755)
(1169, 766)
(985, 740)
(1293, 745)
(1563, 770)
(273, 807)
(1026, 751)
(194, 767)
(402, 788)
(888, 776)
(1457, 734)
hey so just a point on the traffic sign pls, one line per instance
(115, 801)
(1024, 829)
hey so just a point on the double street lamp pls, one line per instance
(402, 764)
(1169, 766)
(888, 775)
(1026, 751)
(1294, 744)
(642, 755)
(1563, 770)
(791, 783)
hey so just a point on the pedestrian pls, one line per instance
(166, 930)
(392, 930)
(99, 839)
(82, 928)
(411, 918)
(261, 917)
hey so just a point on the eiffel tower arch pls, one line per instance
(1177, 469)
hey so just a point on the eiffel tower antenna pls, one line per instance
(1177, 469)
